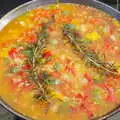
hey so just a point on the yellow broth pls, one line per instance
(76, 89)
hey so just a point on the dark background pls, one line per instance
(7, 5)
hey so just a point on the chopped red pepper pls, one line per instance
(4, 44)
(86, 110)
(30, 36)
(12, 65)
(111, 29)
(42, 13)
(70, 67)
(64, 19)
(110, 93)
(26, 67)
(51, 29)
(74, 109)
(107, 44)
(89, 78)
(56, 74)
(95, 21)
(12, 53)
(29, 87)
(55, 11)
(47, 54)
(78, 96)
(17, 83)
(85, 105)
(22, 85)
(22, 73)
(83, 108)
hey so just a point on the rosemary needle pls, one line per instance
(36, 49)
(96, 61)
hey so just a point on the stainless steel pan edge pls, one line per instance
(36, 3)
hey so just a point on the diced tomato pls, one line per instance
(16, 53)
(4, 44)
(30, 36)
(86, 109)
(79, 98)
(55, 11)
(110, 93)
(73, 71)
(42, 13)
(47, 54)
(89, 78)
(26, 67)
(47, 14)
(13, 52)
(17, 83)
(51, 29)
(12, 65)
(21, 84)
(64, 19)
(29, 87)
(78, 95)
(107, 44)
(89, 107)
(74, 109)
(70, 67)
(83, 108)
(111, 29)
(85, 105)
(56, 74)
(22, 73)
(68, 61)
(95, 21)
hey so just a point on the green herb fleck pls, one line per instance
(57, 66)
(89, 55)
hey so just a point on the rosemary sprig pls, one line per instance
(91, 56)
(34, 56)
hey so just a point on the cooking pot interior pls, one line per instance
(36, 3)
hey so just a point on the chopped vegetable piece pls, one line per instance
(93, 36)
(57, 66)
(54, 42)
(47, 54)
(88, 77)
(61, 62)
(13, 52)
(26, 67)
(52, 82)
(28, 52)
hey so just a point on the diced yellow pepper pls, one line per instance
(76, 22)
(116, 23)
(118, 67)
(4, 52)
(93, 36)
(118, 93)
(52, 6)
(67, 7)
(57, 95)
